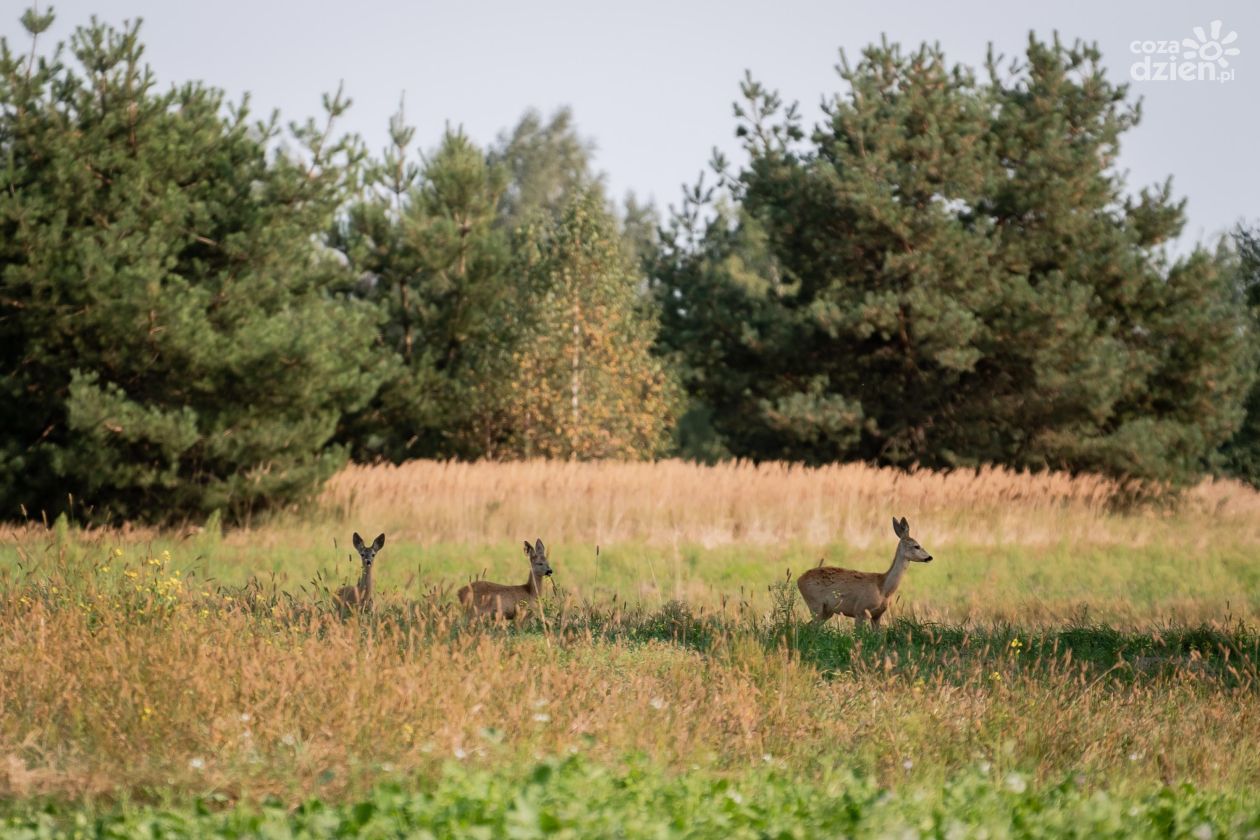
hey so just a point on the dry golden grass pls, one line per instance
(673, 501)
(120, 677)
(1010, 548)
(192, 695)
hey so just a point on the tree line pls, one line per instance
(202, 310)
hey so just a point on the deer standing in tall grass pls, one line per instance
(498, 600)
(360, 596)
(829, 590)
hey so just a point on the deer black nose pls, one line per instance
(929, 559)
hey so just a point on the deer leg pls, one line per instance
(820, 617)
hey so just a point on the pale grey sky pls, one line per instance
(652, 82)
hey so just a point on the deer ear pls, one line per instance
(529, 549)
(538, 546)
(900, 528)
(358, 541)
(378, 543)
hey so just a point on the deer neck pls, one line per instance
(892, 578)
(366, 585)
(533, 586)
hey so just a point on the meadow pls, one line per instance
(1068, 665)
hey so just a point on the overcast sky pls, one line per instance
(652, 82)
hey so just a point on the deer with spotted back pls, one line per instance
(862, 596)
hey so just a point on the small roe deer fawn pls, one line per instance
(360, 597)
(483, 598)
(829, 591)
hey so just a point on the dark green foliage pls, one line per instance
(1242, 452)
(458, 255)
(167, 345)
(949, 273)
(946, 271)
(503, 284)
(424, 243)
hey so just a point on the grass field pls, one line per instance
(1062, 668)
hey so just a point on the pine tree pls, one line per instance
(429, 253)
(533, 345)
(587, 385)
(1138, 364)
(167, 341)
(1241, 454)
(949, 272)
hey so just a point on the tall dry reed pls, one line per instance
(729, 503)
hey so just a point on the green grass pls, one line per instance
(1051, 584)
(1046, 689)
(575, 798)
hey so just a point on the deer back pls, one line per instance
(488, 598)
(844, 590)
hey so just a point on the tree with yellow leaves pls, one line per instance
(585, 383)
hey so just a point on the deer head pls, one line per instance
(537, 554)
(909, 547)
(367, 553)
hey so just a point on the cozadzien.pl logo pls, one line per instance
(1203, 58)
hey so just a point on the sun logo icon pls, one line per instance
(1214, 48)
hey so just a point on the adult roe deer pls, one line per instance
(829, 590)
(360, 596)
(483, 598)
